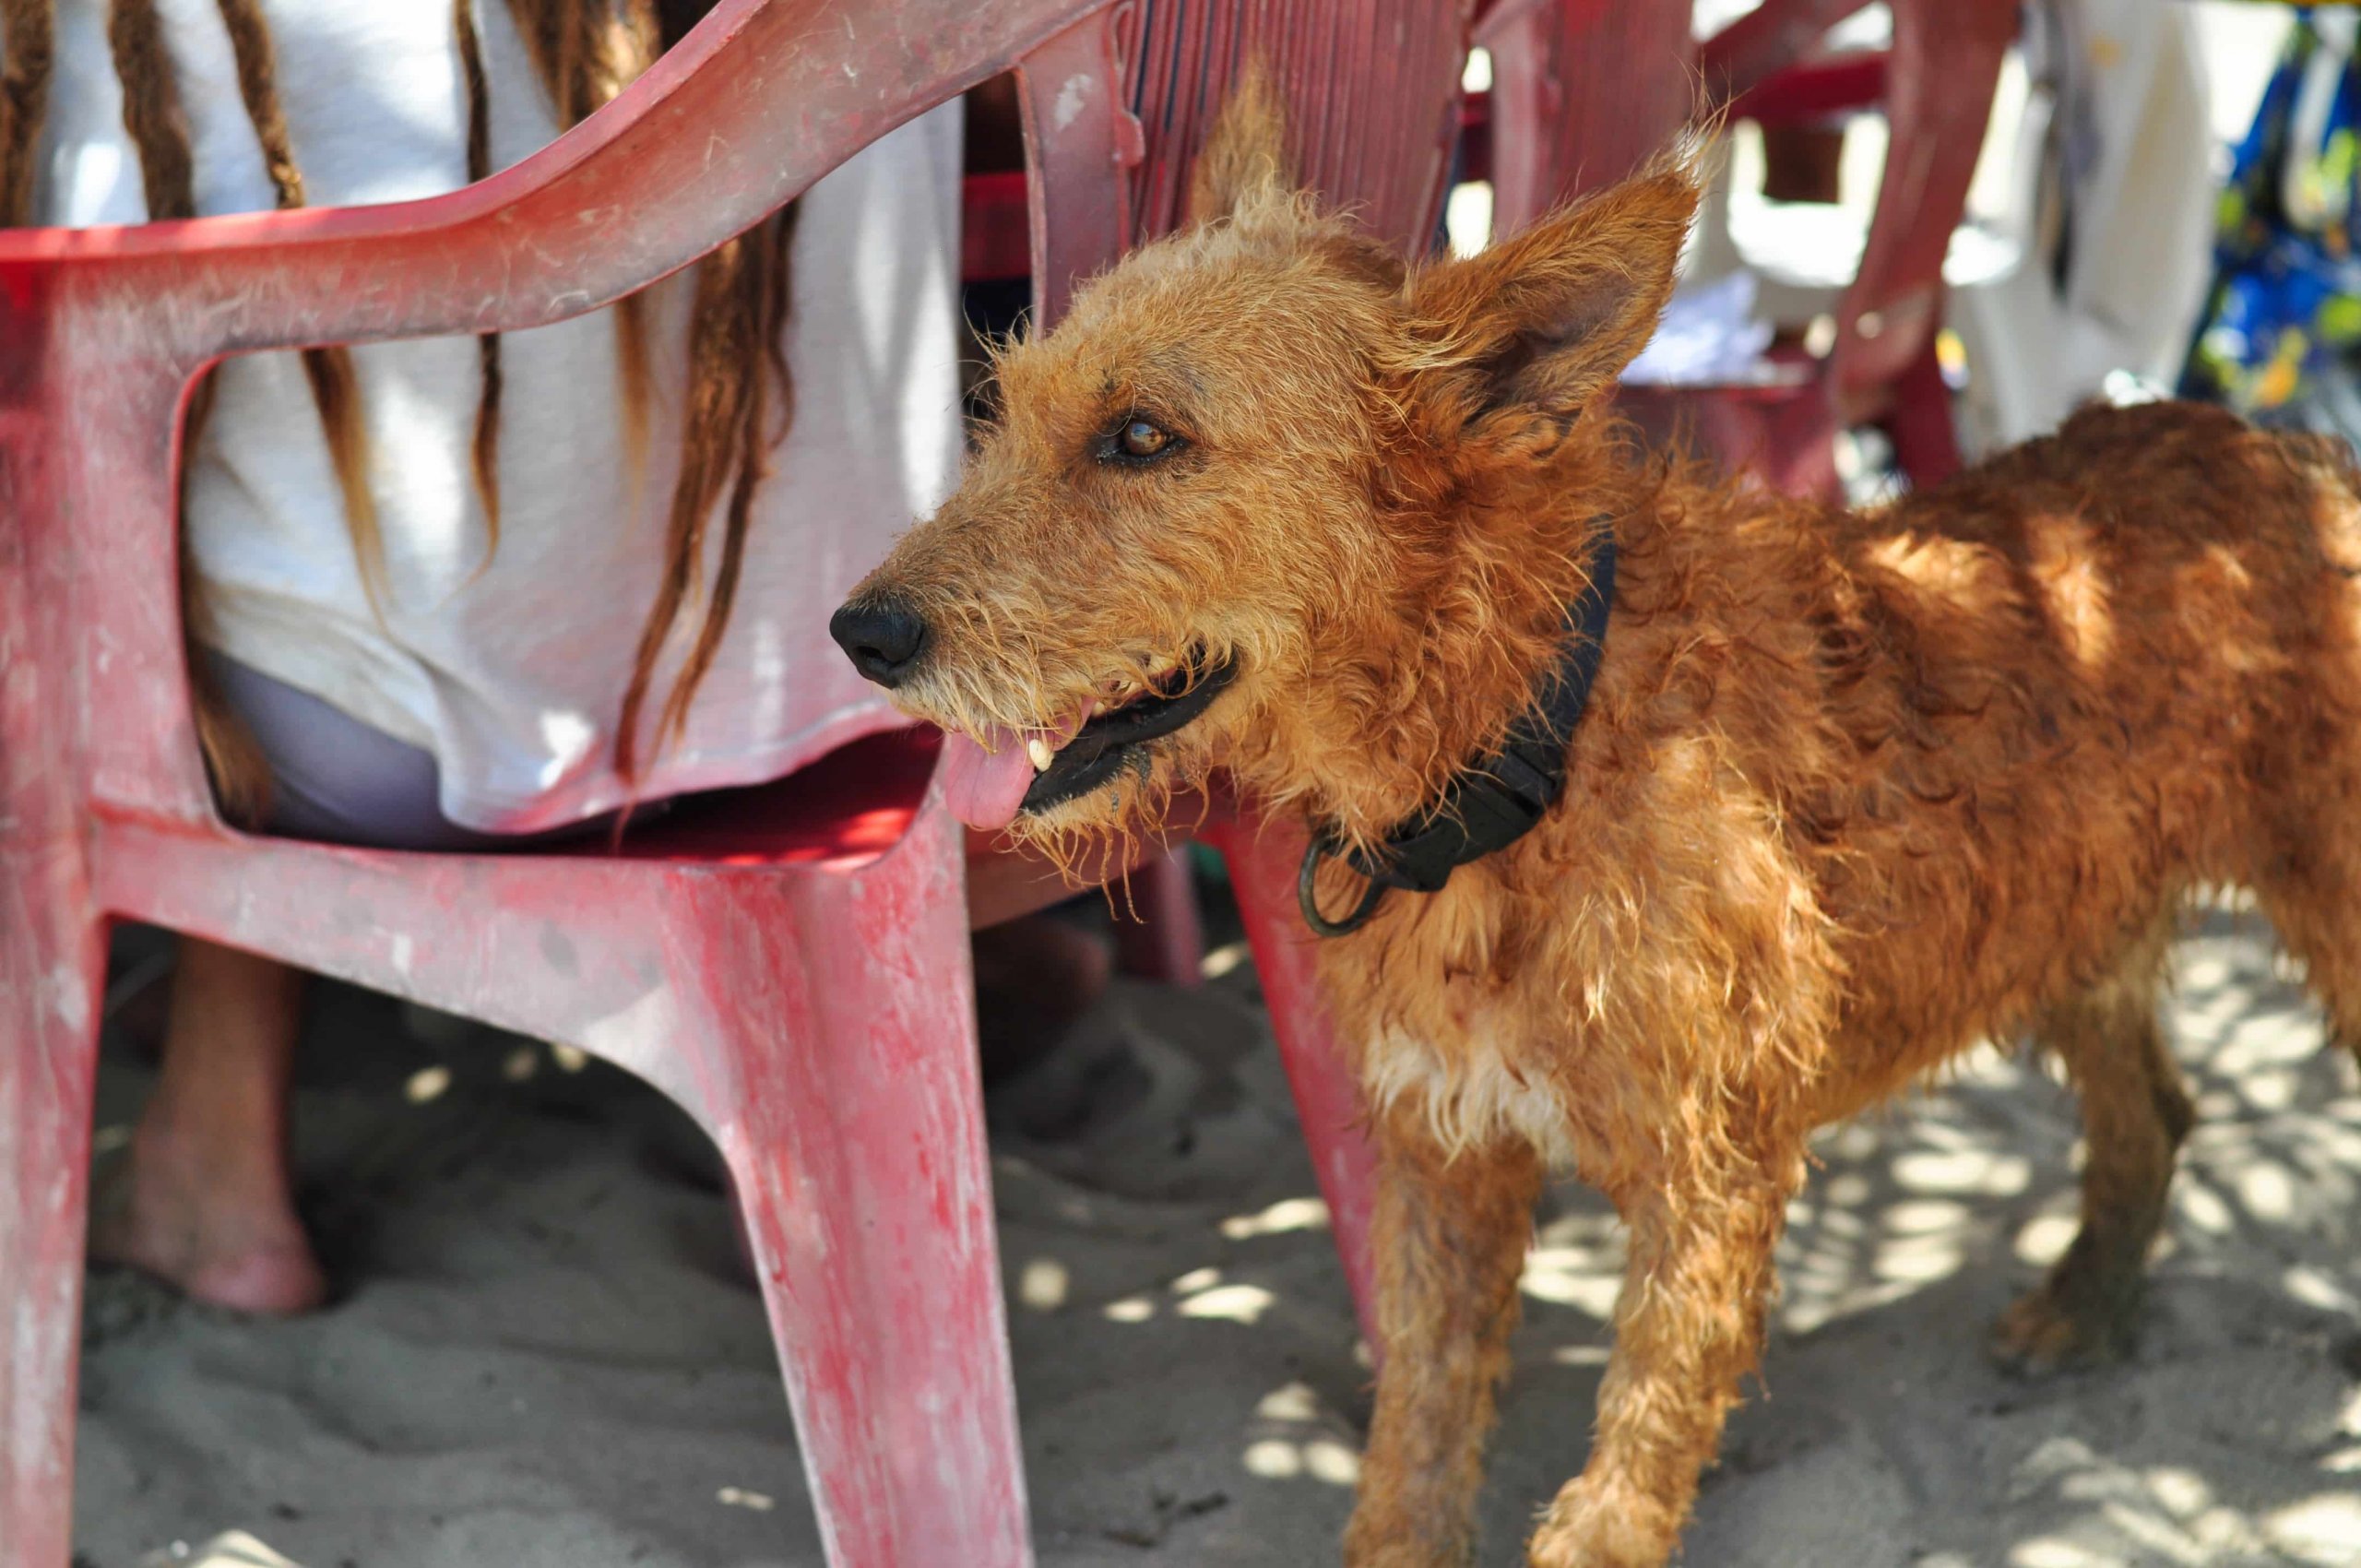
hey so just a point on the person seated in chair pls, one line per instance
(477, 593)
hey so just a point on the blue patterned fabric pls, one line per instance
(2280, 337)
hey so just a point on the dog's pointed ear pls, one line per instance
(1542, 323)
(1244, 164)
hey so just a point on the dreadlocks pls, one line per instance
(584, 51)
(336, 391)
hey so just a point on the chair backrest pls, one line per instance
(1941, 78)
(1764, 42)
(1116, 110)
(758, 102)
(1585, 90)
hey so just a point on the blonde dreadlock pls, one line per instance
(485, 453)
(585, 55)
(336, 390)
(27, 45)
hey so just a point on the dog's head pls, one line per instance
(1222, 493)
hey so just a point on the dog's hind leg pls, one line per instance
(2313, 897)
(2135, 1114)
(1450, 1233)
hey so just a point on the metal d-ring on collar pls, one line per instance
(1489, 805)
(1307, 896)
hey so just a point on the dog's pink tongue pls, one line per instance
(984, 789)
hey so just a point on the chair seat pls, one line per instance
(840, 812)
(843, 811)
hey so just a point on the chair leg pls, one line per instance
(856, 1138)
(1262, 859)
(1920, 423)
(1158, 934)
(52, 969)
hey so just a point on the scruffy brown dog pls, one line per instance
(1853, 790)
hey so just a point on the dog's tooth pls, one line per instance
(1039, 750)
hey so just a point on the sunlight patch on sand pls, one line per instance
(2044, 1239)
(1223, 960)
(1964, 1171)
(1235, 1303)
(1580, 1277)
(1043, 1284)
(2323, 1530)
(1322, 1459)
(1287, 1215)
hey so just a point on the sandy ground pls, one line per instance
(545, 1353)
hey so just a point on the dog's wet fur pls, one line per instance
(1856, 789)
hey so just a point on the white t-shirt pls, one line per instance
(513, 677)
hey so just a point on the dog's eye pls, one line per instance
(1139, 441)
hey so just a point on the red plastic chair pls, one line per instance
(1585, 89)
(792, 971)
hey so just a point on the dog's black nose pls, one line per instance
(882, 639)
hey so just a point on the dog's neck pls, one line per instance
(1467, 624)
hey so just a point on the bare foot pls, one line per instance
(244, 1251)
(204, 1201)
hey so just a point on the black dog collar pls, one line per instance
(1492, 803)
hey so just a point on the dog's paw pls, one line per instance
(2042, 1335)
(1591, 1527)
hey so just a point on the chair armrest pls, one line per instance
(1769, 39)
(752, 108)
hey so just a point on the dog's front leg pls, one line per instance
(1688, 1326)
(1450, 1234)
